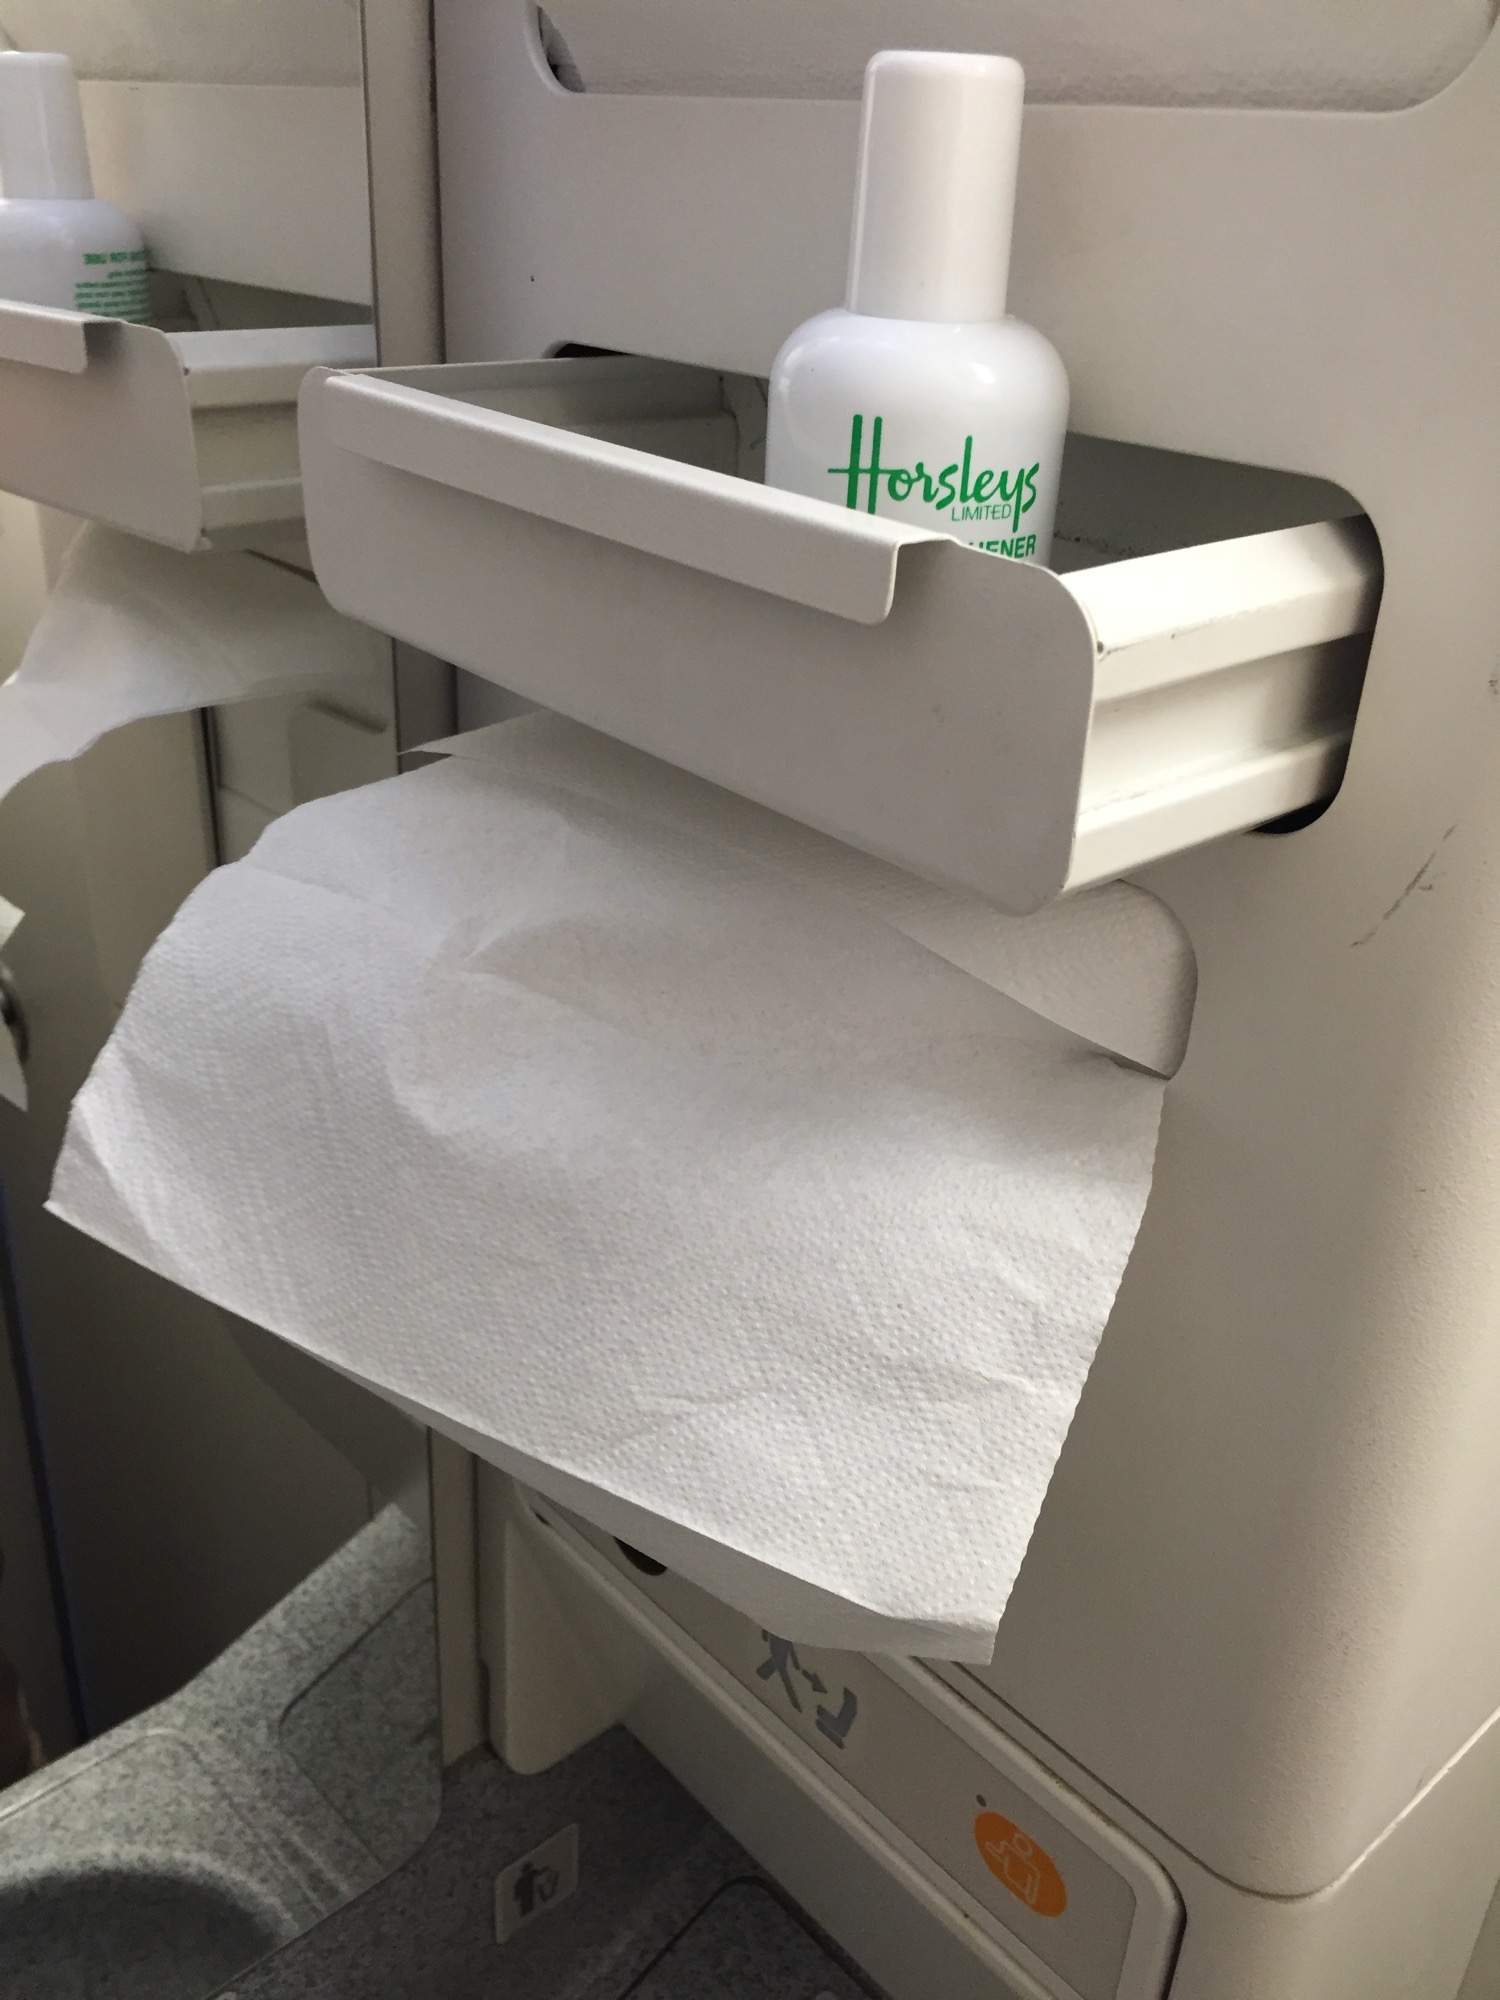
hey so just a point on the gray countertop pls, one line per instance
(668, 1907)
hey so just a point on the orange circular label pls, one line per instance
(1026, 1869)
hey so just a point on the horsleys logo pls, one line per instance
(960, 490)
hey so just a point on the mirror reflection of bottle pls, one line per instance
(919, 398)
(59, 244)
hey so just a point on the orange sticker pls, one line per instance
(1026, 1869)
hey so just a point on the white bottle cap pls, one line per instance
(44, 155)
(939, 144)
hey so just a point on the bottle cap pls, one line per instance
(940, 140)
(44, 155)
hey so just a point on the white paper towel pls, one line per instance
(1111, 964)
(132, 630)
(699, 1196)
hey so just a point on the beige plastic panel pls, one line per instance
(928, 1763)
(575, 1649)
(1255, 1605)
(573, 1645)
(566, 1661)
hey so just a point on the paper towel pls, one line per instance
(1111, 964)
(132, 630)
(696, 1194)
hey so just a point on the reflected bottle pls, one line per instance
(59, 244)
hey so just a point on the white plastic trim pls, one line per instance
(906, 1873)
(45, 338)
(235, 367)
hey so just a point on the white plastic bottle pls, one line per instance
(920, 399)
(59, 244)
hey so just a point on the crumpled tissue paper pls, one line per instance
(132, 630)
(691, 1191)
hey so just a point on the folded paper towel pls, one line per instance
(132, 630)
(1110, 964)
(690, 1190)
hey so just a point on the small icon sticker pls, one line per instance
(1021, 1864)
(536, 1883)
(781, 1663)
(836, 1727)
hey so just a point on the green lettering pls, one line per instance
(874, 468)
(851, 470)
(856, 470)
(957, 489)
(1010, 494)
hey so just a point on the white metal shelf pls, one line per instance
(180, 437)
(573, 530)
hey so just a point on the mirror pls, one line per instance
(218, 1698)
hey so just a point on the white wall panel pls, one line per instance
(195, 41)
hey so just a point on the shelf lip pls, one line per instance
(251, 503)
(47, 336)
(238, 367)
(801, 550)
(1271, 593)
(1125, 832)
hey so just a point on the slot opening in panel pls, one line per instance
(1312, 55)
